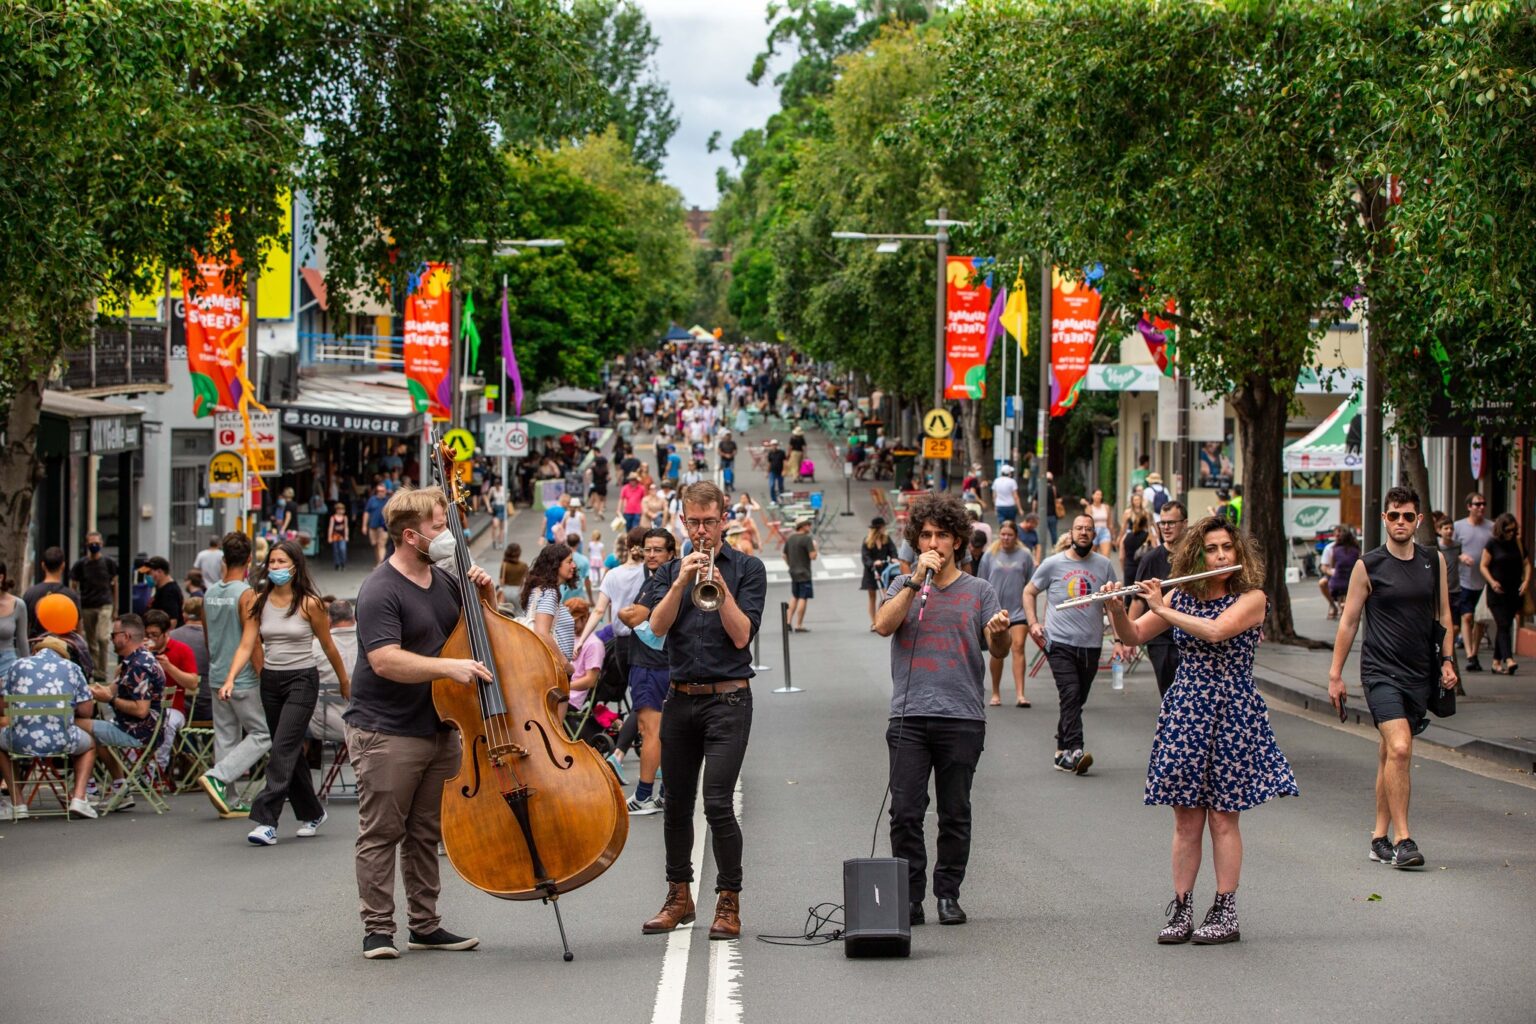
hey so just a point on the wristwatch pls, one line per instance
(1444, 658)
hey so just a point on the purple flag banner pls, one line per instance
(508, 356)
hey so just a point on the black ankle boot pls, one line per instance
(1220, 923)
(1181, 922)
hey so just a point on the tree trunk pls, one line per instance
(1262, 412)
(1416, 475)
(19, 472)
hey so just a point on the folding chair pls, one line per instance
(141, 771)
(335, 773)
(194, 751)
(35, 771)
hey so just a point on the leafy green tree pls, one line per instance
(1191, 149)
(621, 49)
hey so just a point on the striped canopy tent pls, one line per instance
(1326, 448)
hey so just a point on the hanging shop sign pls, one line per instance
(214, 307)
(1074, 325)
(968, 298)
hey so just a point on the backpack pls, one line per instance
(1159, 497)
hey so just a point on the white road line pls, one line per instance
(722, 1002)
(674, 962)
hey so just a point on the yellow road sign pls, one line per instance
(226, 476)
(938, 448)
(462, 442)
(938, 423)
(464, 472)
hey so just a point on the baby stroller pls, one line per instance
(807, 471)
(596, 723)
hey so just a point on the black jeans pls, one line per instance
(948, 749)
(288, 697)
(1165, 662)
(707, 733)
(1074, 669)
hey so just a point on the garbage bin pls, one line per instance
(904, 459)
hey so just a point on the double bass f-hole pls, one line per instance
(470, 791)
(565, 763)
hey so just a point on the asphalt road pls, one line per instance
(140, 918)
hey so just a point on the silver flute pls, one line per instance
(1135, 588)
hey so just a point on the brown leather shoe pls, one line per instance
(678, 909)
(727, 916)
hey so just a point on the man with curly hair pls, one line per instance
(943, 623)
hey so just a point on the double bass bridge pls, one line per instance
(502, 751)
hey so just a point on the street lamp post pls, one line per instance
(890, 243)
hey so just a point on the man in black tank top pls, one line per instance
(1399, 586)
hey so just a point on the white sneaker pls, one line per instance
(262, 835)
(12, 812)
(309, 828)
(79, 808)
(650, 805)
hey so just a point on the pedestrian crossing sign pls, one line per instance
(938, 423)
(462, 443)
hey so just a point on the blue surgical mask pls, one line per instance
(280, 577)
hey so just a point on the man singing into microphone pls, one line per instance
(708, 712)
(944, 623)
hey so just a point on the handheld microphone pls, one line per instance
(922, 596)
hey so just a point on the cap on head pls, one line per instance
(1154, 478)
(1006, 469)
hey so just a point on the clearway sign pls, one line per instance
(229, 436)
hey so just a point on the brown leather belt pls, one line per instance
(705, 689)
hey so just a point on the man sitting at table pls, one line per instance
(179, 664)
(48, 672)
(325, 722)
(132, 696)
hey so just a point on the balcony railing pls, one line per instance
(357, 349)
(123, 356)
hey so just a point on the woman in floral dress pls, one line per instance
(1215, 754)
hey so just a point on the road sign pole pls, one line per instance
(788, 686)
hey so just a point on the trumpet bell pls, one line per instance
(707, 596)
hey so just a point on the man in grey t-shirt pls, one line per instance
(937, 725)
(1073, 638)
(1473, 534)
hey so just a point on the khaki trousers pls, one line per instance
(399, 804)
(96, 624)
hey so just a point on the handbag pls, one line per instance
(1441, 702)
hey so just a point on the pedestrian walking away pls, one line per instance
(286, 618)
(1009, 567)
(1406, 654)
(1214, 754)
(937, 724)
(708, 715)
(1072, 638)
(399, 747)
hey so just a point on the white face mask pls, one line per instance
(441, 550)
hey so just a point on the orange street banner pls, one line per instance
(215, 322)
(428, 347)
(967, 301)
(1074, 324)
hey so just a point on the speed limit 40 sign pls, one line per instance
(508, 439)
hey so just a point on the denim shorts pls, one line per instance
(109, 734)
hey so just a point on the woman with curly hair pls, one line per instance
(1215, 754)
(552, 621)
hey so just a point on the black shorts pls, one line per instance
(1389, 699)
(1466, 603)
(802, 589)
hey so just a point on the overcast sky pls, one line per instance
(706, 50)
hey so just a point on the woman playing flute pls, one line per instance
(1214, 755)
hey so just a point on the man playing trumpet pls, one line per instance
(708, 605)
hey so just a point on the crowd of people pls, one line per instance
(252, 644)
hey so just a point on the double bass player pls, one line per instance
(400, 749)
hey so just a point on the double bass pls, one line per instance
(532, 814)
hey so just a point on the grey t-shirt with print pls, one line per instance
(942, 676)
(1062, 578)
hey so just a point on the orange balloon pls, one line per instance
(57, 614)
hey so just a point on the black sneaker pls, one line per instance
(441, 939)
(1473, 665)
(1381, 850)
(378, 946)
(1406, 855)
(1060, 761)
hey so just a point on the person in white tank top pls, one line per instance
(286, 619)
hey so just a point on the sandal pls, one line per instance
(1023, 704)
(994, 703)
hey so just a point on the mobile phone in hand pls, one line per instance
(1343, 700)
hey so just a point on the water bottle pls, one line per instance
(1117, 673)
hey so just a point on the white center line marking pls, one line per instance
(722, 1002)
(674, 962)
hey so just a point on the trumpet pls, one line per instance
(1135, 588)
(707, 595)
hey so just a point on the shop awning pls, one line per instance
(545, 423)
(1326, 448)
(87, 426)
(570, 396)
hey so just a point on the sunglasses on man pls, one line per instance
(1406, 517)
